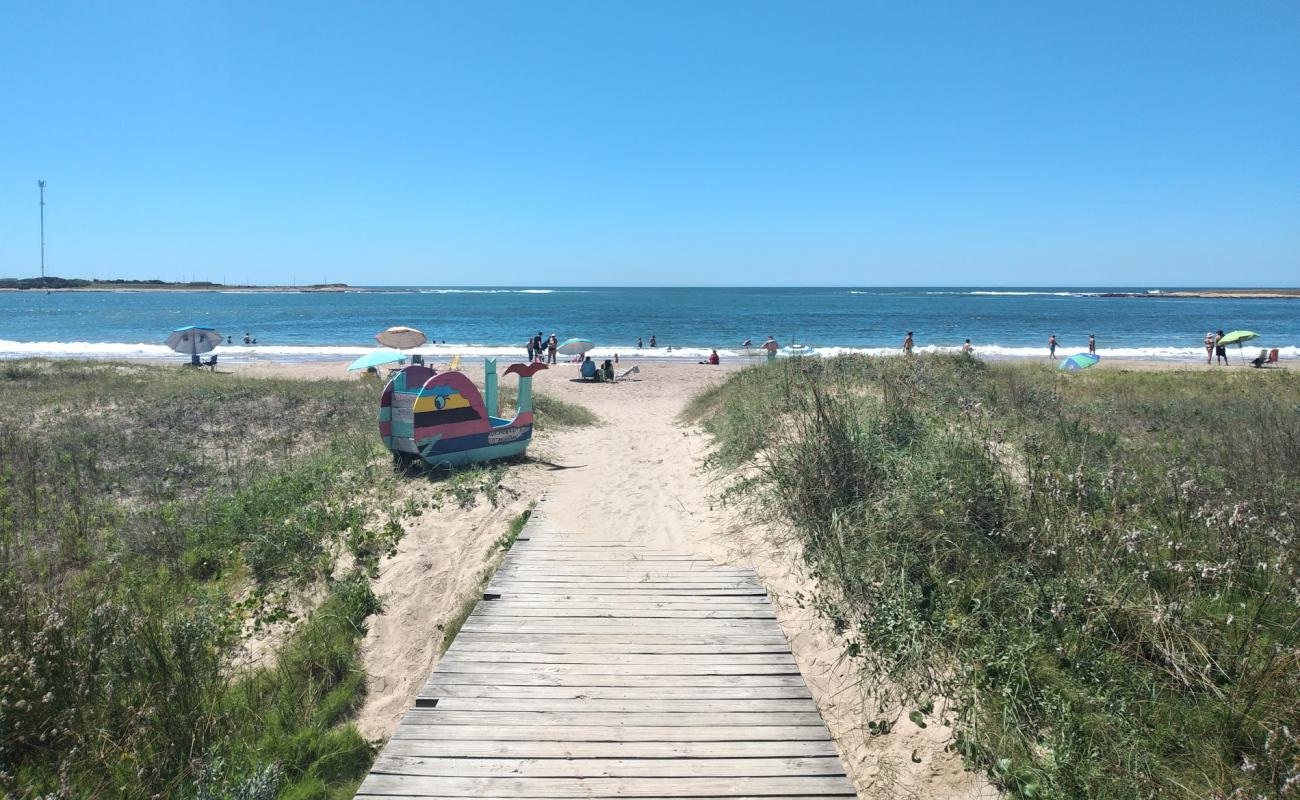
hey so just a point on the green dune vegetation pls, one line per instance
(1092, 577)
(152, 520)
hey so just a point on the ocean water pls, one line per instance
(476, 322)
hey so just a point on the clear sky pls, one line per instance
(678, 143)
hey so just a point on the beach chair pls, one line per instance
(1272, 359)
(455, 362)
(1259, 360)
(632, 370)
(210, 363)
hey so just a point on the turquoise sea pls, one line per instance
(1002, 322)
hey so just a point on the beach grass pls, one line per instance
(152, 519)
(1093, 577)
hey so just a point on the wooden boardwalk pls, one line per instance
(594, 668)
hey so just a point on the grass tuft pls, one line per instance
(1097, 570)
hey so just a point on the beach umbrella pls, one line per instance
(576, 347)
(375, 359)
(1079, 361)
(1238, 337)
(193, 339)
(401, 338)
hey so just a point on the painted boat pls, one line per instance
(442, 419)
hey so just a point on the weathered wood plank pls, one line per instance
(504, 703)
(443, 748)
(612, 679)
(611, 719)
(434, 689)
(450, 665)
(608, 733)
(380, 784)
(515, 767)
(691, 659)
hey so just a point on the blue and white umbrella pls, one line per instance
(194, 339)
(375, 359)
(1078, 361)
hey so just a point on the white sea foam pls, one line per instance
(16, 349)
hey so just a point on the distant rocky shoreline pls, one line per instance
(53, 284)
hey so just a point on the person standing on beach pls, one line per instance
(653, 342)
(1220, 349)
(1051, 346)
(1092, 343)
(908, 344)
(529, 345)
(639, 345)
(966, 349)
(552, 344)
(1209, 347)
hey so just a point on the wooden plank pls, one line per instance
(611, 719)
(433, 689)
(524, 640)
(516, 767)
(581, 645)
(612, 679)
(496, 749)
(826, 785)
(504, 703)
(684, 659)
(610, 733)
(614, 612)
(450, 665)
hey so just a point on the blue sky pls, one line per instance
(667, 143)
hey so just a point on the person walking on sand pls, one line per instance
(529, 345)
(1220, 349)
(908, 344)
(1092, 343)
(1209, 348)
(1051, 346)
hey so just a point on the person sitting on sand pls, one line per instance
(1209, 347)
(713, 358)
(908, 344)
(1259, 360)
(1051, 346)
(607, 370)
(966, 348)
(1220, 349)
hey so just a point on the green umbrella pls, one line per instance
(1238, 337)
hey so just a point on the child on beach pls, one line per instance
(966, 349)
(1051, 346)
(907, 344)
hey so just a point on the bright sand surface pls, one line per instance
(637, 475)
